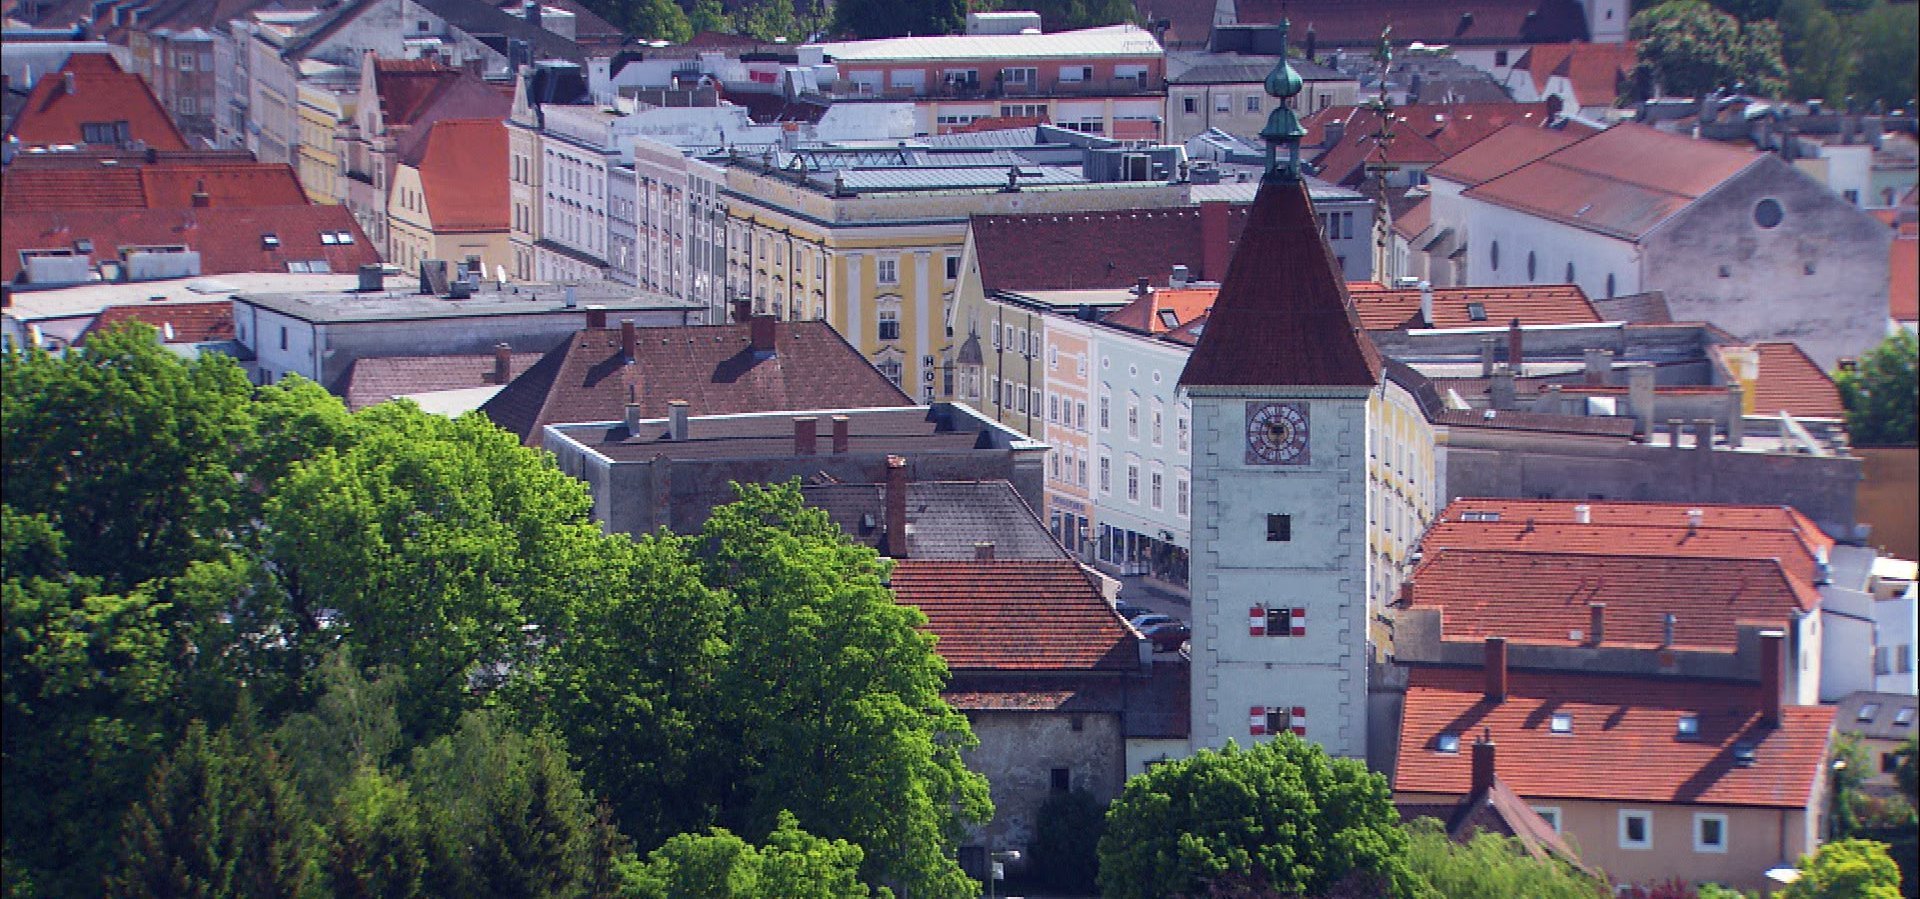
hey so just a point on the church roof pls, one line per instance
(1282, 317)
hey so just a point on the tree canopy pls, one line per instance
(1689, 48)
(1491, 867)
(388, 653)
(1880, 393)
(863, 19)
(1847, 869)
(1281, 816)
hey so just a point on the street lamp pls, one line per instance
(996, 867)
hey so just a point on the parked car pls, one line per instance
(1168, 636)
(1149, 619)
(1128, 611)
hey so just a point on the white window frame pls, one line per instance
(887, 272)
(1628, 814)
(1550, 814)
(1700, 818)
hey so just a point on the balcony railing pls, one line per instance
(997, 90)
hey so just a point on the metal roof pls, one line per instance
(1108, 41)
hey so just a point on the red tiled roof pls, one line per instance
(101, 93)
(1479, 22)
(1596, 71)
(1414, 219)
(712, 367)
(156, 186)
(228, 240)
(1542, 597)
(1503, 151)
(1386, 309)
(190, 322)
(375, 380)
(1145, 313)
(464, 175)
(1632, 529)
(1016, 615)
(1789, 381)
(1091, 250)
(1622, 182)
(1903, 300)
(1422, 133)
(1282, 316)
(1623, 745)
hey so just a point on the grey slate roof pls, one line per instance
(1239, 69)
(1882, 721)
(944, 519)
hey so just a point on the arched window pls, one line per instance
(1609, 285)
(1530, 265)
(1493, 256)
(1569, 272)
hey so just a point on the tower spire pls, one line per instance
(1283, 126)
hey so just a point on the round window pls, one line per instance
(1767, 213)
(1494, 256)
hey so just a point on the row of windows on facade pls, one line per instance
(1156, 481)
(1255, 103)
(1181, 427)
(1533, 268)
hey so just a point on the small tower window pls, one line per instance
(1279, 528)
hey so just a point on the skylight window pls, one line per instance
(1477, 312)
(344, 237)
(1688, 727)
(1904, 717)
(1447, 743)
(1479, 516)
(1745, 754)
(298, 267)
(1869, 710)
(1169, 319)
(270, 241)
(327, 238)
(1562, 723)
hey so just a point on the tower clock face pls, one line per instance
(1276, 434)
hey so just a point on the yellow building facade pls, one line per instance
(316, 158)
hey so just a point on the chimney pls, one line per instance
(1486, 357)
(1678, 426)
(677, 424)
(502, 363)
(68, 77)
(1141, 287)
(1496, 662)
(1695, 518)
(629, 340)
(1772, 649)
(1599, 365)
(742, 311)
(1215, 247)
(1500, 394)
(571, 297)
(1640, 396)
(1516, 349)
(1736, 415)
(1667, 622)
(983, 552)
(806, 435)
(1596, 622)
(596, 317)
(533, 13)
(1426, 303)
(896, 507)
(1583, 514)
(1483, 765)
(1703, 434)
(840, 423)
(1336, 132)
(1180, 276)
(761, 333)
(201, 199)
(633, 418)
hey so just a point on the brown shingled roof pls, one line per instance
(376, 380)
(228, 240)
(463, 173)
(712, 367)
(159, 185)
(1016, 615)
(102, 93)
(188, 322)
(1282, 317)
(1352, 23)
(1391, 308)
(1620, 725)
(1421, 134)
(1094, 250)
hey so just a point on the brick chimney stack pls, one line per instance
(1496, 669)
(1483, 765)
(840, 436)
(201, 199)
(806, 435)
(1772, 650)
(983, 552)
(896, 507)
(629, 340)
(1516, 349)
(1596, 622)
(761, 331)
(596, 317)
(502, 363)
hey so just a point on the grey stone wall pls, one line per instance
(1018, 752)
(1819, 278)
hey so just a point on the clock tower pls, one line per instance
(1280, 383)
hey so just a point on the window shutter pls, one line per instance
(1299, 622)
(1257, 621)
(1257, 721)
(1299, 721)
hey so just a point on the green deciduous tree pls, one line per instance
(1907, 769)
(1065, 854)
(657, 20)
(1492, 867)
(1815, 49)
(893, 18)
(835, 693)
(220, 819)
(1689, 48)
(1062, 15)
(1847, 869)
(1888, 38)
(708, 15)
(1281, 816)
(1879, 393)
(719, 865)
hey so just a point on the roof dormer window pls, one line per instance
(1868, 711)
(1447, 743)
